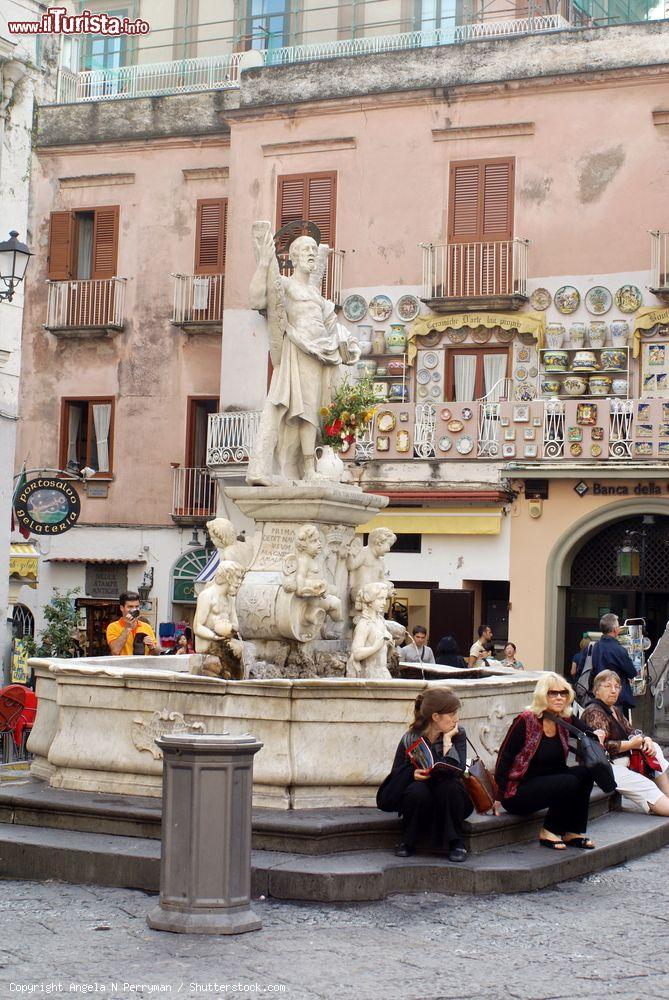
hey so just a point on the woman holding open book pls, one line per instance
(425, 785)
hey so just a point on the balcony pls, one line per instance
(460, 277)
(193, 496)
(198, 302)
(659, 282)
(86, 308)
(230, 440)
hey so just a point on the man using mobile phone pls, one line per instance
(128, 636)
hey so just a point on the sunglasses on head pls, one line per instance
(558, 694)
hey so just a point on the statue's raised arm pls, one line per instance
(266, 290)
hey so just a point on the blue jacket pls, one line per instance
(608, 654)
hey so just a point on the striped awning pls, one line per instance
(437, 521)
(23, 561)
(209, 570)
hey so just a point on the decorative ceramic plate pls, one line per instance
(402, 441)
(431, 339)
(525, 393)
(435, 391)
(481, 335)
(408, 307)
(445, 414)
(467, 414)
(422, 391)
(504, 336)
(423, 376)
(575, 449)
(445, 443)
(430, 360)
(380, 308)
(520, 374)
(540, 299)
(595, 450)
(527, 338)
(567, 300)
(385, 421)
(457, 336)
(436, 376)
(383, 443)
(598, 300)
(354, 308)
(628, 298)
(464, 445)
(533, 372)
(523, 354)
(455, 426)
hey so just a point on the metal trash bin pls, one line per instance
(205, 864)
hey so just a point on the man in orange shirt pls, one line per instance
(128, 636)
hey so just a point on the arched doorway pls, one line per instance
(597, 585)
(562, 557)
(185, 571)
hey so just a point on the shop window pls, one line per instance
(472, 373)
(86, 435)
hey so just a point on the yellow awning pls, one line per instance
(527, 322)
(437, 521)
(23, 560)
(644, 320)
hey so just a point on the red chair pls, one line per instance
(18, 708)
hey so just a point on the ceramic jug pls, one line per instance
(597, 335)
(328, 463)
(378, 342)
(577, 334)
(620, 331)
(555, 334)
(396, 339)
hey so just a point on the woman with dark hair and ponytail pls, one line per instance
(431, 803)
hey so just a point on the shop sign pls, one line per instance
(48, 506)
(20, 669)
(650, 489)
(106, 580)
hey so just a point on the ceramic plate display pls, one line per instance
(385, 421)
(383, 443)
(575, 449)
(408, 307)
(508, 450)
(523, 354)
(457, 336)
(455, 426)
(521, 414)
(431, 339)
(464, 445)
(430, 360)
(597, 433)
(595, 450)
(380, 308)
(436, 376)
(481, 335)
(628, 298)
(574, 434)
(402, 441)
(520, 374)
(540, 299)
(467, 414)
(445, 414)
(643, 448)
(567, 300)
(354, 308)
(598, 300)
(445, 443)
(504, 336)
(586, 414)
(423, 376)
(534, 371)
(530, 451)
(435, 391)
(404, 417)
(526, 393)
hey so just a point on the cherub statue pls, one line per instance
(366, 565)
(307, 347)
(371, 639)
(303, 577)
(216, 627)
(230, 548)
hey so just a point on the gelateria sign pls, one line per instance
(47, 506)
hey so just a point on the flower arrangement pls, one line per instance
(352, 407)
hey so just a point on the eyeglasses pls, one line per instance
(558, 694)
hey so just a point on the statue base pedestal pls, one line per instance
(284, 629)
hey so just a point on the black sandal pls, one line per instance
(552, 845)
(584, 843)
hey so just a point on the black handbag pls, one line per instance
(591, 753)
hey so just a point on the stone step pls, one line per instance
(134, 862)
(299, 831)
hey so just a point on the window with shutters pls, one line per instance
(311, 198)
(210, 235)
(83, 250)
(480, 228)
(86, 435)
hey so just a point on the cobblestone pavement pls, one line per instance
(604, 936)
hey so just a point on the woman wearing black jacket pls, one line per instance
(532, 770)
(432, 804)
(448, 654)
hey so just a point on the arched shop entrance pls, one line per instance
(624, 568)
(595, 571)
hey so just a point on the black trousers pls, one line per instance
(437, 807)
(566, 794)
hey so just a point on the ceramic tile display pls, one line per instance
(654, 370)
(429, 367)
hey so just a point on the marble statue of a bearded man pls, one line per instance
(307, 347)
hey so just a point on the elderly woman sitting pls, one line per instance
(648, 789)
(532, 770)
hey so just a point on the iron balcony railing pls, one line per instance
(659, 259)
(464, 270)
(230, 437)
(193, 493)
(95, 303)
(198, 298)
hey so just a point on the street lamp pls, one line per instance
(14, 257)
(631, 558)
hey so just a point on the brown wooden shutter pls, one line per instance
(311, 197)
(105, 242)
(61, 240)
(211, 235)
(464, 203)
(497, 208)
(481, 201)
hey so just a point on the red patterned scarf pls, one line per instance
(534, 731)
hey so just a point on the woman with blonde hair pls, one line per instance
(532, 770)
(431, 803)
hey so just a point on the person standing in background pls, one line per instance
(128, 636)
(608, 654)
(417, 651)
(481, 648)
